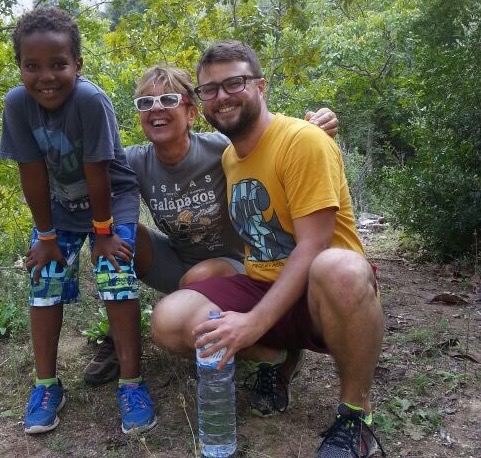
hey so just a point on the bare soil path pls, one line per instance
(427, 391)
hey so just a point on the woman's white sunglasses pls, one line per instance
(147, 102)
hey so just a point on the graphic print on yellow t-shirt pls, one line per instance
(294, 170)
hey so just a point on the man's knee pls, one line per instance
(162, 319)
(341, 277)
(339, 263)
(174, 317)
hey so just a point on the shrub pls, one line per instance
(437, 196)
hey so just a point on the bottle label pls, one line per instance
(212, 360)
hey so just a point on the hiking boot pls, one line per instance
(104, 367)
(43, 405)
(349, 436)
(136, 408)
(270, 384)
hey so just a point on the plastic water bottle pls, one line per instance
(216, 404)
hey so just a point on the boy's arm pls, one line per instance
(98, 183)
(35, 186)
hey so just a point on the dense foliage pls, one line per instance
(402, 75)
(438, 194)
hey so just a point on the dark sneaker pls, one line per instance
(270, 384)
(349, 436)
(136, 408)
(105, 366)
(43, 405)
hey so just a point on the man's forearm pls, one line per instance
(286, 290)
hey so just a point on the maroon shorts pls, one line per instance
(241, 293)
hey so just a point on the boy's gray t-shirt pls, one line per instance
(83, 129)
(188, 201)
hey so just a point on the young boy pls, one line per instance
(62, 131)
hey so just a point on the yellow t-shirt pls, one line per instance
(294, 170)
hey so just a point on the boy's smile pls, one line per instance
(48, 68)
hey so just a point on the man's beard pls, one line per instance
(243, 126)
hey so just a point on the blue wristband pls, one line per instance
(52, 231)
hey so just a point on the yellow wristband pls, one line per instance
(103, 224)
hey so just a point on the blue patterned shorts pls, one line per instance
(59, 284)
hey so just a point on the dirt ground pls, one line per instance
(427, 392)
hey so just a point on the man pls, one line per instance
(307, 283)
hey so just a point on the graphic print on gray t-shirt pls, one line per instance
(188, 201)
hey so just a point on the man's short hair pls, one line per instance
(229, 51)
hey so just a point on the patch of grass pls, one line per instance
(423, 340)
(420, 335)
(404, 414)
(421, 382)
(99, 328)
(385, 243)
(16, 369)
(58, 444)
(14, 318)
(415, 405)
(453, 380)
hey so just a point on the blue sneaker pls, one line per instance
(136, 408)
(41, 412)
